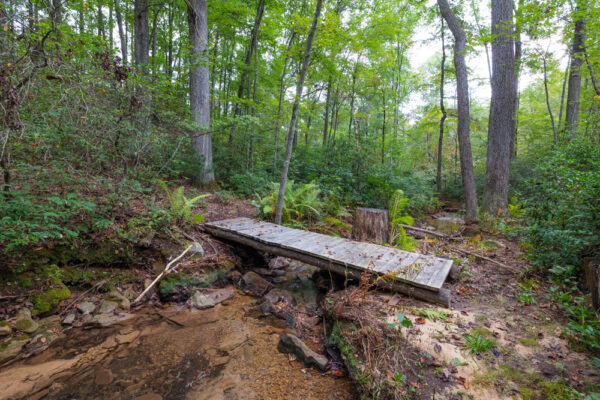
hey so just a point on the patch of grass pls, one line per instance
(529, 342)
(478, 344)
(433, 314)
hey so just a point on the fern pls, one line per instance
(399, 218)
(301, 203)
(181, 206)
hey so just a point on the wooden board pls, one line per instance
(417, 270)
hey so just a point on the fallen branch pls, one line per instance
(427, 231)
(195, 247)
(498, 263)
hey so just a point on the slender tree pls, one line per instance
(502, 108)
(577, 57)
(295, 107)
(438, 176)
(463, 130)
(200, 88)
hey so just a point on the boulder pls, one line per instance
(87, 307)
(69, 319)
(122, 301)
(234, 277)
(255, 284)
(24, 321)
(106, 320)
(11, 349)
(291, 344)
(279, 263)
(219, 295)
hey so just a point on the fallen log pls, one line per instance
(427, 231)
(498, 263)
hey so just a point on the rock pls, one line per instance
(106, 320)
(277, 295)
(279, 263)
(234, 277)
(125, 338)
(179, 287)
(268, 272)
(103, 377)
(255, 284)
(69, 319)
(108, 306)
(149, 396)
(50, 322)
(219, 295)
(201, 302)
(42, 339)
(291, 344)
(24, 321)
(117, 297)
(86, 307)
(12, 349)
(5, 329)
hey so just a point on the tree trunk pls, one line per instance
(555, 135)
(100, 21)
(122, 36)
(371, 225)
(169, 57)
(200, 88)
(591, 267)
(141, 32)
(295, 107)
(577, 56)
(502, 109)
(463, 130)
(280, 103)
(326, 117)
(562, 96)
(383, 128)
(438, 176)
(352, 96)
(518, 55)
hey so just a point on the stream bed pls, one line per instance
(174, 352)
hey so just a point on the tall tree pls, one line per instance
(463, 130)
(141, 32)
(577, 57)
(502, 108)
(122, 36)
(438, 176)
(200, 87)
(295, 107)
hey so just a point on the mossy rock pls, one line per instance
(49, 300)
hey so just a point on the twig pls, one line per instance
(163, 273)
(413, 228)
(498, 263)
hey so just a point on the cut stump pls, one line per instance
(371, 224)
(591, 267)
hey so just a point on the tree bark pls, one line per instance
(562, 96)
(295, 107)
(141, 32)
(326, 117)
(372, 225)
(502, 109)
(463, 129)
(200, 88)
(555, 135)
(100, 21)
(577, 56)
(438, 176)
(518, 56)
(352, 98)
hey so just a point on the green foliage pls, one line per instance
(301, 203)
(398, 218)
(181, 206)
(478, 344)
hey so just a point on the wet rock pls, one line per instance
(234, 277)
(179, 287)
(291, 344)
(87, 307)
(50, 322)
(24, 321)
(279, 263)
(106, 320)
(277, 295)
(125, 338)
(255, 284)
(122, 301)
(69, 319)
(42, 339)
(5, 329)
(103, 377)
(269, 272)
(12, 348)
(201, 302)
(108, 306)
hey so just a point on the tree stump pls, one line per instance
(372, 225)
(591, 267)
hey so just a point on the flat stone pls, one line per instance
(106, 320)
(69, 319)
(200, 301)
(255, 284)
(50, 322)
(291, 344)
(279, 263)
(108, 306)
(12, 349)
(127, 338)
(24, 313)
(86, 307)
(219, 295)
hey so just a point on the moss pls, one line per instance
(24, 282)
(49, 300)
(171, 281)
(529, 342)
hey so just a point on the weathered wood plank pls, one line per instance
(408, 268)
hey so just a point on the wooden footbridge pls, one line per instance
(412, 274)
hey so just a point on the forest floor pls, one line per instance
(501, 338)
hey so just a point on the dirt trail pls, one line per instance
(226, 352)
